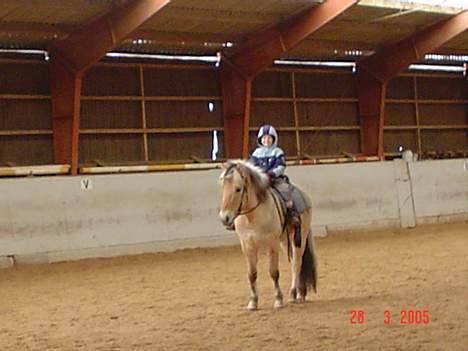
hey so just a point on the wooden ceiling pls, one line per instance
(202, 26)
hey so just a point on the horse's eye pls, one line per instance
(238, 190)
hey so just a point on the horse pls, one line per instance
(250, 204)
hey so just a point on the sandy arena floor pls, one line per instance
(194, 299)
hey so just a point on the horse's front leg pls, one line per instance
(274, 274)
(251, 255)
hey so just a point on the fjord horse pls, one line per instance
(255, 209)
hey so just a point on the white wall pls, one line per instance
(49, 219)
(440, 189)
(350, 195)
(55, 214)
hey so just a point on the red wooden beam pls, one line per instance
(254, 56)
(65, 86)
(387, 63)
(376, 70)
(88, 45)
(260, 51)
(371, 94)
(236, 111)
(72, 56)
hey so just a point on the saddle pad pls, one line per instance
(290, 192)
(299, 200)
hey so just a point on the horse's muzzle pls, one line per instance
(226, 218)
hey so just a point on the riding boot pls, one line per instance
(292, 215)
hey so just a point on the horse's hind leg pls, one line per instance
(251, 255)
(274, 274)
(296, 262)
(304, 264)
(289, 249)
(298, 290)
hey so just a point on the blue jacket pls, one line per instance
(269, 158)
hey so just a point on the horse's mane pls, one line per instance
(254, 175)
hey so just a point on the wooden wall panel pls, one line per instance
(323, 143)
(334, 112)
(279, 114)
(25, 115)
(134, 123)
(272, 84)
(182, 82)
(441, 114)
(111, 81)
(399, 114)
(22, 118)
(400, 88)
(442, 88)
(179, 146)
(325, 85)
(328, 114)
(24, 78)
(26, 150)
(394, 138)
(155, 109)
(183, 114)
(444, 140)
(434, 109)
(111, 149)
(110, 114)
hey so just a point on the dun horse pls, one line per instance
(250, 203)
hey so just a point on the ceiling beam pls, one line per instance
(388, 62)
(87, 45)
(375, 71)
(261, 49)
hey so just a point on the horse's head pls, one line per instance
(238, 180)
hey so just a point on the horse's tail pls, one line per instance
(309, 264)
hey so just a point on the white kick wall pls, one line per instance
(48, 219)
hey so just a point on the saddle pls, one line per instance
(291, 197)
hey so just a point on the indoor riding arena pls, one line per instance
(118, 117)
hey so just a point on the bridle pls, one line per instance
(244, 194)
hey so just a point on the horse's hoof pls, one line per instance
(278, 304)
(292, 295)
(252, 306)
(300, 299)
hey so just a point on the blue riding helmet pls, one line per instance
(267, 130)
